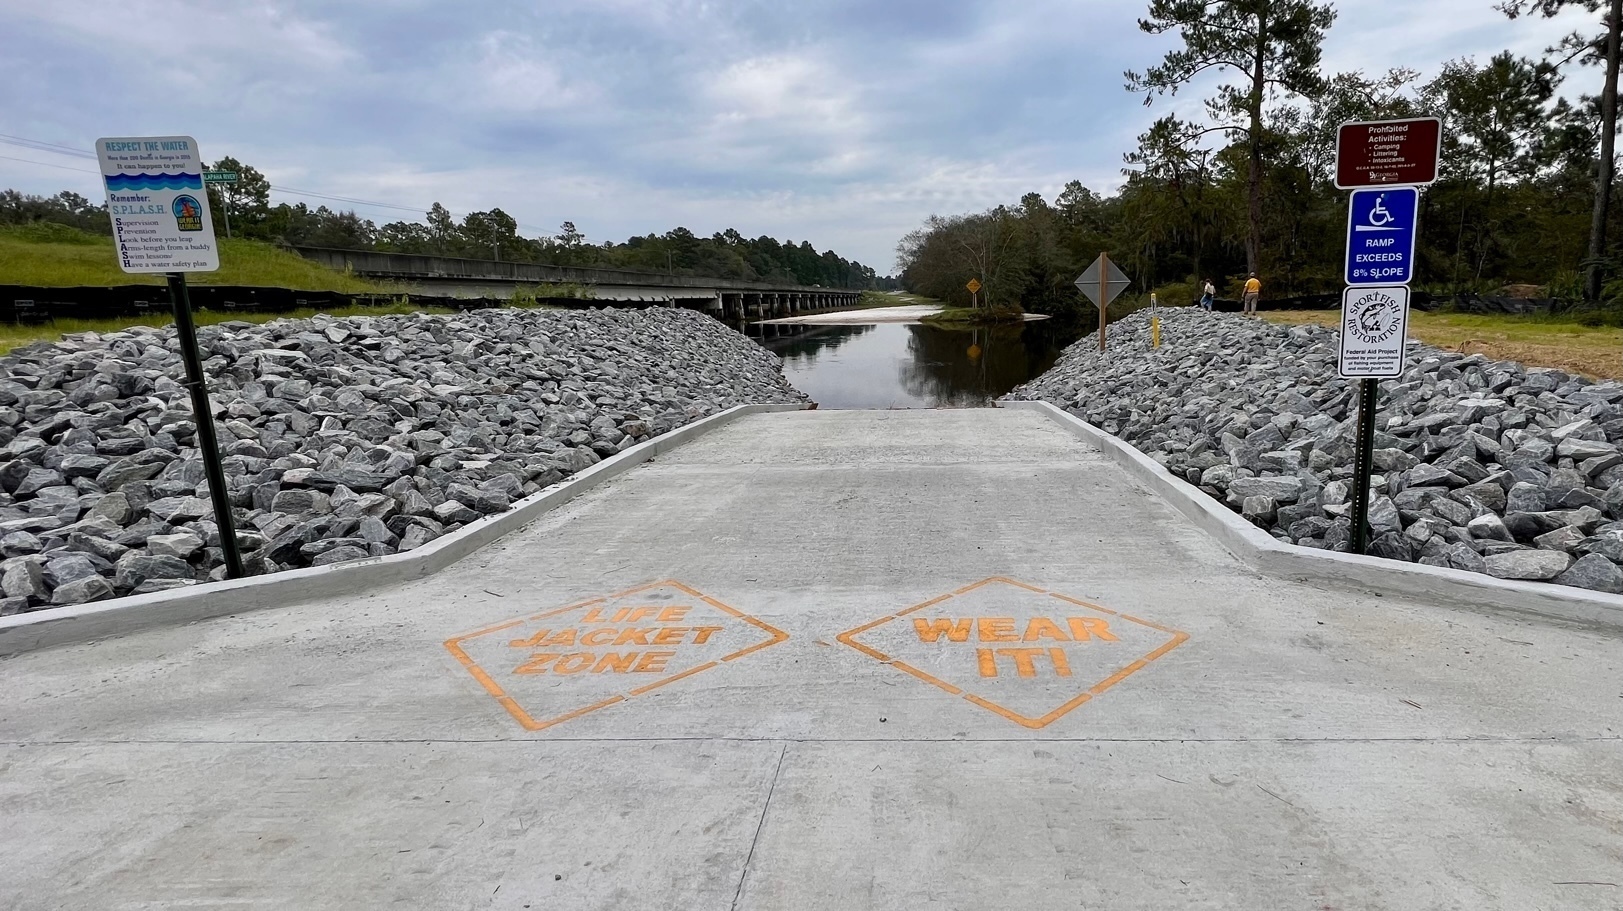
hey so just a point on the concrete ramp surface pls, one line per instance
(828, 660)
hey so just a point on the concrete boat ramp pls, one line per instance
(829, 660)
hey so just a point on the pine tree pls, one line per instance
(1270, 44)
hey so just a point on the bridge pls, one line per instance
(456, 277)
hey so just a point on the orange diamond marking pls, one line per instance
(550, 667)
(1021, 651)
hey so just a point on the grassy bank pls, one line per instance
(1535, 341)
(15, 336)
(977, 316)
(53, 256)
(893, 299)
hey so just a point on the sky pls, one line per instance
(845, 123)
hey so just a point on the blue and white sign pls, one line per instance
(155, 197)
(1381, 230)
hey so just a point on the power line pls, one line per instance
(46, 164)
(42, 146)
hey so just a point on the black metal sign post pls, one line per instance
(1384, 163)
(203, 416)
(1364, 463)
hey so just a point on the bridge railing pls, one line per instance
(412, 265)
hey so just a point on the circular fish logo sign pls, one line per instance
(188, 214)
(1375, 317)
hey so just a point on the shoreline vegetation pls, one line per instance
(976, 316)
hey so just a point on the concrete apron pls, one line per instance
(828, 660)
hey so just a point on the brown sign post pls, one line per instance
(1102, 282)
(1395, 153)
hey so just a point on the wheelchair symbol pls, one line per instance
(1379, 218)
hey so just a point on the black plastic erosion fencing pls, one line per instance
(33, 305)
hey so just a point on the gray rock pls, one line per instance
(1525, 497)
(114, 507)
(302, 502)
(1536, 565)
(1259, 511)
(1490, 527)
(63, 567)
(1595, 573)
(25, 579)
(1564, 539)
(1383, 515)
(1526, 526)
(36, 480)
(1394, 460)
(136, 568)
(454, 512)
(1579, 450)
(1430, 476)
(1460, 556)
(81, 591)
(183, 545)
(341, 555)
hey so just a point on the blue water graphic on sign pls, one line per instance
(1381, 236)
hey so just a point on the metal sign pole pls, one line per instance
(203, 415)
(1104, 295)
(1364, 463)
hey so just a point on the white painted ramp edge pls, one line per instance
(118, 616)
(1268, 554)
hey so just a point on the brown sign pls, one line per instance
(1388, 153)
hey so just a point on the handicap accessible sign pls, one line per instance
(1381, 236)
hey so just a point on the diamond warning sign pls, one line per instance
(561, 664)
(1028, 654)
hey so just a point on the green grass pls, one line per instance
(893, 299)
(15, 336)
(1535, 341)
(976, 316)
(53, 256)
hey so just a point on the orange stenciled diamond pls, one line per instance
(550, 667)
(1028, 654)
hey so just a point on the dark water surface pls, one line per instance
(911, 365)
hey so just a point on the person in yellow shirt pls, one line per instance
(1253, 290)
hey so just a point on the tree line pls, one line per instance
(478, 235)
(1524, 193)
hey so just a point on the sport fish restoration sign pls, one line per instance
(1374, 323)
(155, 198)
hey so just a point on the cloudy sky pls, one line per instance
(841, 122)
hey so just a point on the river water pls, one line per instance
(912, 365)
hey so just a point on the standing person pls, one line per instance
(1207, 295)
(1253, 290)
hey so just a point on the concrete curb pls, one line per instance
(1267, 554)
(65, 625)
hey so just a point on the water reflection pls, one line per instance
(912, 365)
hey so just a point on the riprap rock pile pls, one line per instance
(341, 438)
(1481, 465)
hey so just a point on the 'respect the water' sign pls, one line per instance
(157, 204)
(1381, 236)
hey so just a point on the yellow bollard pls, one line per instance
(1155, 331)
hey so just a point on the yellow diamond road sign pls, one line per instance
(974, 286)
(1025, 653)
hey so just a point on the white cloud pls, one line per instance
(842, 122)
